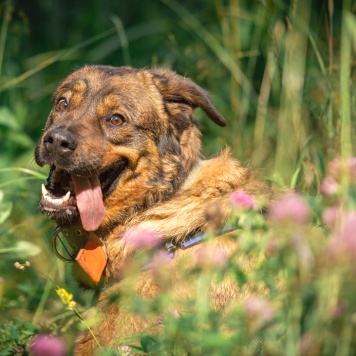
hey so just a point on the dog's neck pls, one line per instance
(150, 181)
(203, 202)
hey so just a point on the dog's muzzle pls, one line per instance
(59, 142)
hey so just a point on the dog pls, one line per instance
(124, 156)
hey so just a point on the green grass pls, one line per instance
(282, 74)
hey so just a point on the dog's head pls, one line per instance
(117, 140)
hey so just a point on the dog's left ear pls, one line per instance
(176, 88)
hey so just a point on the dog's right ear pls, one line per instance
(175, 88)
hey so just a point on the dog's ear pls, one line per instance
(175, 88)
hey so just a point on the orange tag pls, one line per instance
(92, 258)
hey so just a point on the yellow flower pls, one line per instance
(66, 297)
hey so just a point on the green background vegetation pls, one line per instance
(281, 73)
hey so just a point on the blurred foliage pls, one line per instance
(235, 49)
(281, 72)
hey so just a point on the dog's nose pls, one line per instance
(59, 141)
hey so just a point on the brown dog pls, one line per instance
(124, 152)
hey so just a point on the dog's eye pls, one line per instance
(116, 120)
(62, 104)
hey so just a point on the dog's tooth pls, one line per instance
(66, 197)
(48, 198)
(54, 201)
(44, 190)
(58, 201)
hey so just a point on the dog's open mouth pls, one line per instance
(67, 196)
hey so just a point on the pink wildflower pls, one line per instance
(344, 243)
(337, 167)
(174, 312)
(208, 256)
(259, 309)
(347, 233)
(140, 238)
(331, 215)
(329, 186)
(243, 200)
(306, 345)
(352, 167)
(125, 348)
(291, 208)
(48, 345)
(161, 258)
(160, 266)
(339, 310)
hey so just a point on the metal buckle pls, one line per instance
(70, 243)
(170, 246)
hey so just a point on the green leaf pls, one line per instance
(350, 22)
(149, 343)
(23, 248)
(5, 210)
(7, 118)
(7, 352)
(24, 170)
(20, 139)
(29, 328)
(240, 276)
(13, 333)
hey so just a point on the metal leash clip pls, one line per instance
(66, 242)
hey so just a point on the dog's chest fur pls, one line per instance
(203, 201)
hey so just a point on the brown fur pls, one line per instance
(165, 186)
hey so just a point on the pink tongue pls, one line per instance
(89, 201)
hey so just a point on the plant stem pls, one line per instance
(291, 131)
(43, 300)
(345, 139)
(4, 27)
